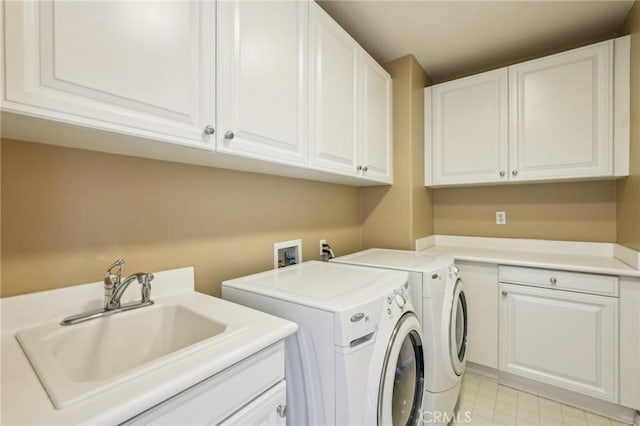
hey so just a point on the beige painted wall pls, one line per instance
(581, 211)
(422, 197)
(628, 189)
(66, 214)
(395, 216)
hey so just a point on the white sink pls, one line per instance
(78, 361)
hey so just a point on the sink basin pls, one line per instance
(78, 361)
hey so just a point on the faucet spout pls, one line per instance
(145, 281)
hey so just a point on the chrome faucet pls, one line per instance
(114, 288)
(145, 281)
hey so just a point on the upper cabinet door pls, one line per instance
(262, 83)
(560, 120)
(470, 129)
(334, 74)
(140, 68)
(376, 143)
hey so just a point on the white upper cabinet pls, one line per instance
(560, 117)
(376, 138)
(334, 95)
(268, 86)
(470, 125)
(350, 116)
(262, 79)
(138, 68)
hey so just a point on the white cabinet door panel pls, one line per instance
(481, 289)
(376, 143)
(334, 95)
(560, 338)
(470, 131)
(142, 68)
(561, 110)
(262, 79)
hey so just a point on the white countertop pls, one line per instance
(25, 402)
(583, 257)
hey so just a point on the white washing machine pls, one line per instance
(437, 288)
(357, 358)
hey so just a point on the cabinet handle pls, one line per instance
(514, 172)
(229, 135)
(504, 293)
(359, 168)
(502, 173)
(553, 281)
(365, 168)
(282, 411)
(209, 130)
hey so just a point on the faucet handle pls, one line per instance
(113, 275)
(145, 282)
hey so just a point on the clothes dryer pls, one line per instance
(436, 287)
(357, 358)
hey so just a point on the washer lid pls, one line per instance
(324, 285)
(396, 259)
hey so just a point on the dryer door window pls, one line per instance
(458, 329)
(402, 380)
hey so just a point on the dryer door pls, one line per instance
(402, 379)
(458, 329)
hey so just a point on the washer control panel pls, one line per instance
(397, 301)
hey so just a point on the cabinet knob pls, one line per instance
(514, 172)
(282, 411)
(209, 130)
(229, 135)
(359, 168)
(504, 293)
(365, 168)
(553, 281)
(502, 173)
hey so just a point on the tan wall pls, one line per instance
(581, 211)
(422, 199)
(66, 214)
(394, 216)
(628, 189)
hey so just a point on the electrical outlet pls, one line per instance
(321, 243)
(501, 218)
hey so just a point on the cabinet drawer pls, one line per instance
(571, 281)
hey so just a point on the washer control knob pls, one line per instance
(389, 300)
(400, 300)
(389, 311)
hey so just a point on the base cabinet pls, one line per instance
(251, 392)
(481, 289)
(561, 338)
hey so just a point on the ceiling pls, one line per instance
(456, 38)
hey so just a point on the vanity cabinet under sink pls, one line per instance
(251, 392)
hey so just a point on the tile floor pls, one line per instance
(486, 403)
